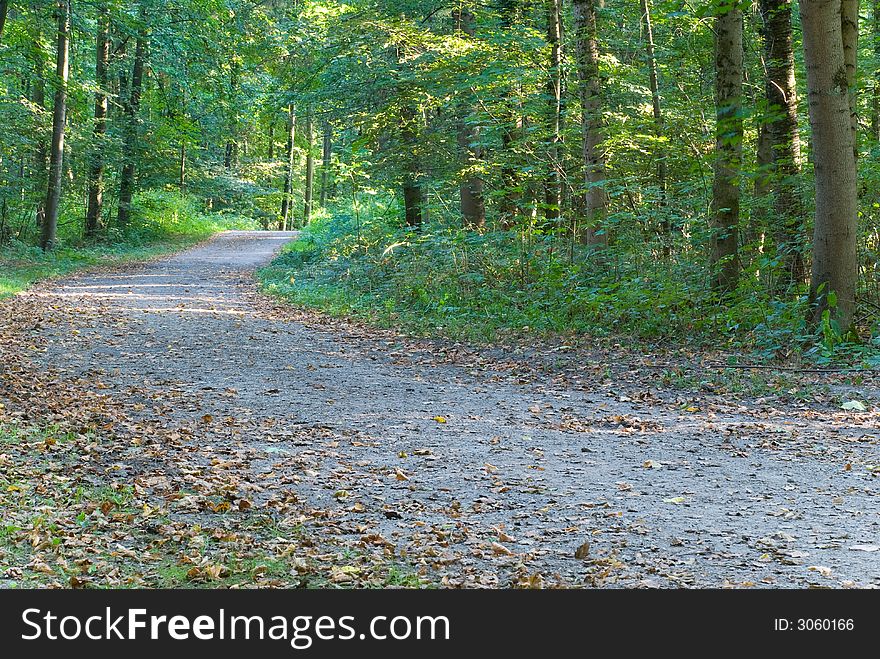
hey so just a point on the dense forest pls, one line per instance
(655, 169)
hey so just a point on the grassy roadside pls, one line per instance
(164, 223)
(486, 287)
(21, 267)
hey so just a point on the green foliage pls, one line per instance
(477, 286)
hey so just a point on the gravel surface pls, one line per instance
(478, 477)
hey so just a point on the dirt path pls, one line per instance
(463, 474)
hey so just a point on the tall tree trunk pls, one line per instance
(4, 9)
(835, 264)
(553, 182)
(59, 117)
(96, 168)
(326, 162)
(287, 200)
(271, 153)
(782, 131)
(875, 96)
(510, 204)
(849, 21)
(310, 167)
(413, 196)
(472, 205)
(41, 157)
(659, 130)
(181, 170)
(587, 56)
(724, 221)
(412, 200)
(131, 108)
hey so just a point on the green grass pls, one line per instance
(163, 222)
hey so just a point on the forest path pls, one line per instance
(240, 417)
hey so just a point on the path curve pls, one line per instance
(497, 479)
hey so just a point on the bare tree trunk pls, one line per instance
(4, 9)
(835, 264)
(849, 21)
(471, 203)
(41, 157)
(510, 204)
(59, 117)
(724, 221)
(659, 130)
(287, 200)
(785, 151)
(131, 108)
(271, 153)
(326, 162)
(310, 168)
(96, 168)
(413, 195)
(553, 182)
(875, 96)
(181, 170)
(587, 57)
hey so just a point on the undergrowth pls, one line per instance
(480, 286)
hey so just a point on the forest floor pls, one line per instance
(165, 424)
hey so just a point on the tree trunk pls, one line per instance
(412, 201)
(310, 168)
(96, 168)
(326, 162)
(4, 9)
(784, 141)
(271, 153)
(659, 131)
(835, 264)
(59, 117)
(41, 157)
(181, 173)
(471, 203)
(131, 108)
(724, 221)
(849, 21)
(875, 96)
(587, 57)
(286, 200)
(509, 206)
(553, 182)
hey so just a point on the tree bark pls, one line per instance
(131, 108)
(96, 168)
(4, 9)
(59, 118)
(587, 56)
(510, 204)
(875, 95)
(553, 182)
(835, 264)
(286, 200)
(326, 162)
(471, 203)
(310, 168)
(849, 22)
(659, 129)
(41, 157)
(181, 170)
(724, 221)
(784, 142)
(271, 153)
